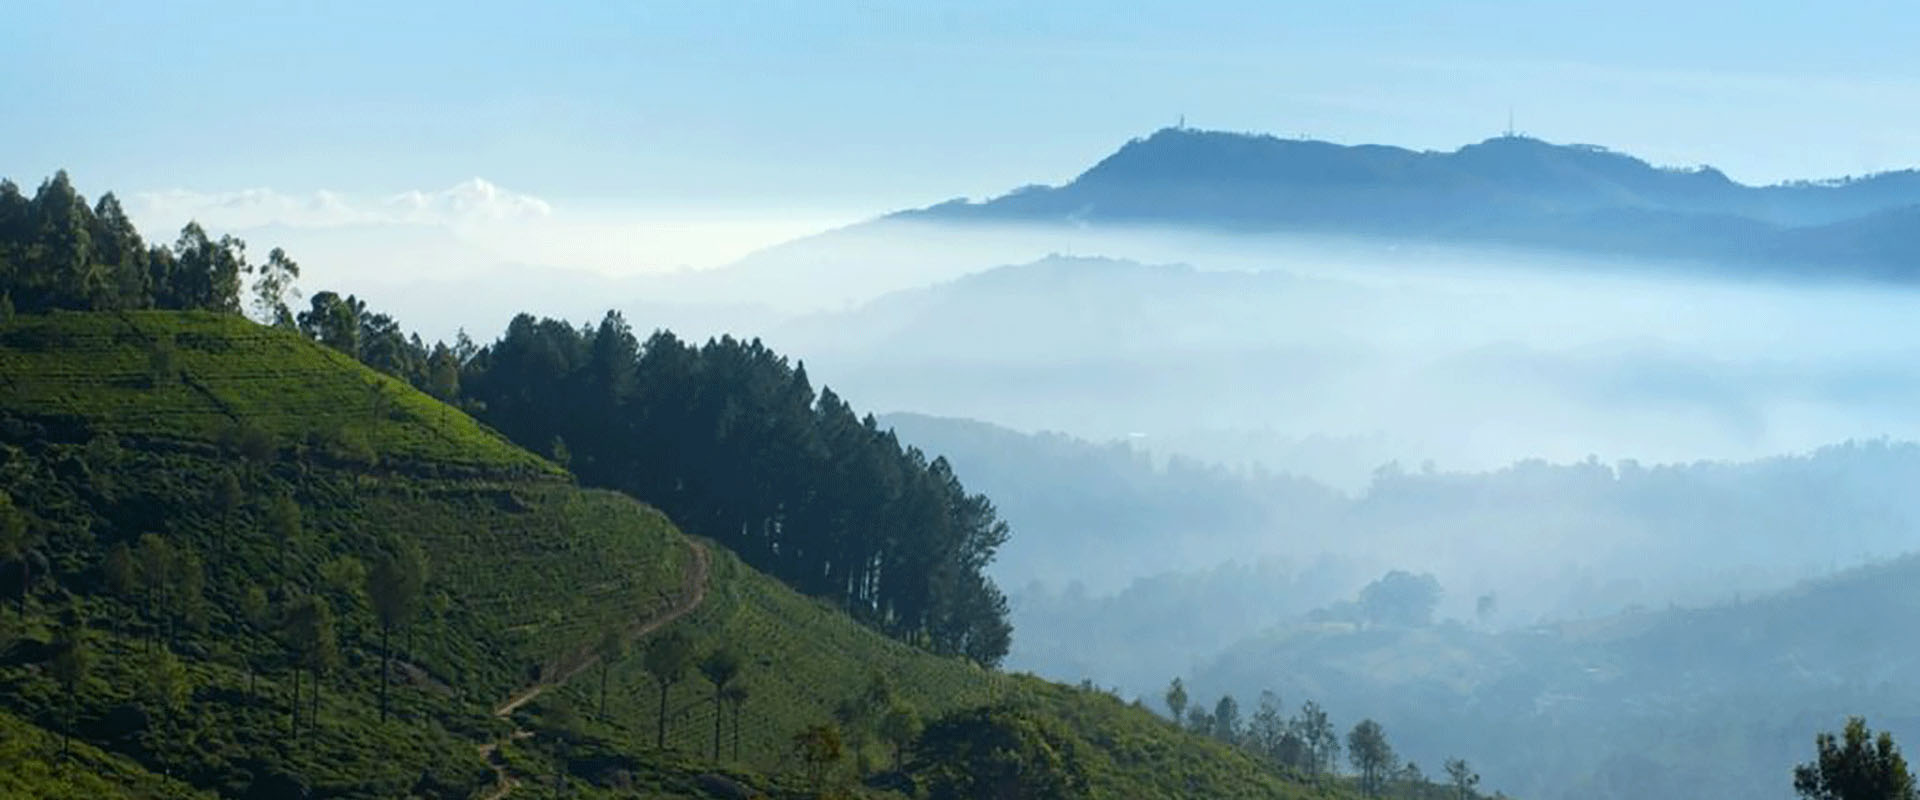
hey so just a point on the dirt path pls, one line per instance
(692, 592)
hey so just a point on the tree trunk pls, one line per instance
(603, 689)
(660, 737)
(313, 718)
(293, 708)
(73, 712)
(386, 672)
(736, 731)
(716, 722)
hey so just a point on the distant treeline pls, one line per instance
(728, 438)
(58, 253)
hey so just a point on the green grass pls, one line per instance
(31, 766)
(526, 573)
(803, 658)
(525, 569)
(96, 372)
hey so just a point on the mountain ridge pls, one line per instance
(1508, 190)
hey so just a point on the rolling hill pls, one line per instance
(201, 503)
(1713, 701)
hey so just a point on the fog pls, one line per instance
(1208, 444)
(1466, 359)
(1338, 361)
(1249, 430)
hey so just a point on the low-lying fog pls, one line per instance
(1470, 360)
(1249, 430)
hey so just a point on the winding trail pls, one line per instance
(692, 592)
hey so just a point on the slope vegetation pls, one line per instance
(201, 513)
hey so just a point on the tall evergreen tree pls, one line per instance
(71, 662)
(17, 541)
(667, 658)
(1857, 765)
(395, 585)
(1372, 757)
(311, 635)
(720, 668)
(206, 272)
(611, 648)
(273, 286)
(125, 281)
(1462, 778)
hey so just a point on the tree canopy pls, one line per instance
(1857, 765)
(998, 753)
(731, 440)
(56, 252)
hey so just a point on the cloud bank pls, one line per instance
(475, 201)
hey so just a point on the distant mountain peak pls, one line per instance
(1508, 190)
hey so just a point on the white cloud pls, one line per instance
(472, 202)
(345, 240)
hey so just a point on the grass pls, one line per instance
(526, 573)
(31, 766)
(525, 569)
(97, 372)
(803, 658)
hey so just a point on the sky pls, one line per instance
(694, 132)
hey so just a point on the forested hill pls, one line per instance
(236, 563)
(1507, 190)
(728, 439)
(228, 569)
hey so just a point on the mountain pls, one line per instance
(209, 526)
(1508, 190)
(1234, 199)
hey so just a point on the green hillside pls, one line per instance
(32, 756)
(190, 492)
(199, 376)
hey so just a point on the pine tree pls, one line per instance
(611, 647)
(395, 585)
(1855, 766)
(667, 659)
(71, 662)
(720, 667)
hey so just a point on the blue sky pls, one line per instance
(826, 110)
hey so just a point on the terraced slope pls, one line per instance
(196, 376)
(34, 769)
(525, 570)
(213, 442)
(803, 660)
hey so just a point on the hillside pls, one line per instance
(1625, 706)
(202, 503)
